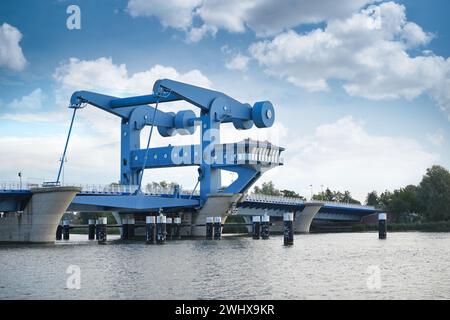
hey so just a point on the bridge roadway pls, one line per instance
(115, 198)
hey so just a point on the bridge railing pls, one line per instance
(17, 186)
(127, 189)
(287, 200)
(348, 205)
(98, 188)
(272, 199)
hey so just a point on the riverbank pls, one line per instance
(418, 226)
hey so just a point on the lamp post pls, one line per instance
(311, 191)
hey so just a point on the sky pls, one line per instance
(361, 88)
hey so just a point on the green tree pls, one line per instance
(347, 198)
(326, 195)
(292, 194)
(372, 199)
(434, 194)
(404, 202)
(160, 185)
(384, 200)
(337, 196)
(267, 188)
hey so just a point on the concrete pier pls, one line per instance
(216, 205)
(303, 219)
(38, 222)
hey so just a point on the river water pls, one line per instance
(319, 266)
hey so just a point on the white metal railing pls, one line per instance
(118, 189)
(17, 186)
(351, 205)
(273, 199)
(98, 188)
(255, 157)
(287, 200)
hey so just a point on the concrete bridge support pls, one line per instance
(217, 205)
(303, 219)
(40, 218)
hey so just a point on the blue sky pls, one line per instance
(357, 108)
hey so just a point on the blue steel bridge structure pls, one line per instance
(249, 159)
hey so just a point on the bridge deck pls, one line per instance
(121, 198)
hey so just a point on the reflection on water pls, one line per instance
(318, 266)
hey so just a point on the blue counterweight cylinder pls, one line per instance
(102, 230)
(59, 230)
(265, 226)
(256, 227)
(184, 122)
(263, 114)
(169, 228)
(161, 232)
(288, 221)
(209, 228)
(177, 229)
(66, 229)
(91, 229)
(150, 229)
(217, 228)
(382, 226)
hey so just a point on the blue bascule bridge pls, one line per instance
(248, 159)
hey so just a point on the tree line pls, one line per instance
(268, 188)
(427, 202)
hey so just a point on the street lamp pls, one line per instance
(311, 191)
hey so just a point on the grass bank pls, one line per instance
(443, 226)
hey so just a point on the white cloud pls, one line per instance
(104, 76)
(11, 55)
(171, 13)
(38, 158)
(436, 138)
(28, 117)
(238, 62)
(344, 156)
(196, 34)
(265, 17)
(367, 52)
(33, 101)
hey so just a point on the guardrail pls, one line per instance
(351, 205)
(17, 186)
(273, 199)
(98, 188)
(296, 201)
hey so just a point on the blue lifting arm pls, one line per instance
(222, 107)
